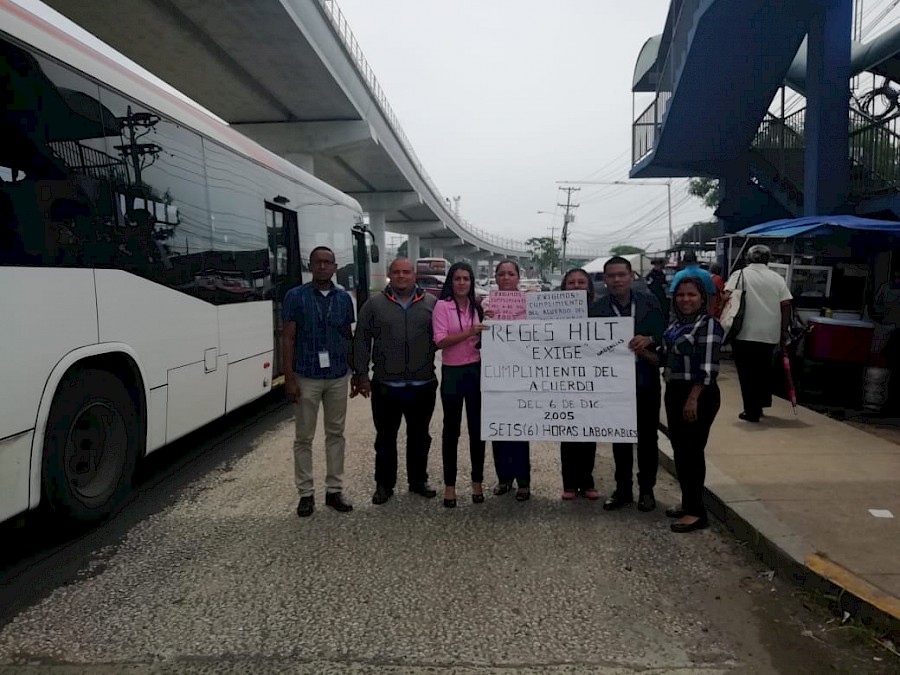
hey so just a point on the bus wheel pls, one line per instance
(91, 445)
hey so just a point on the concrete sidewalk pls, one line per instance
(799, 488)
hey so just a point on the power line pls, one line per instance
(605, 167)
(637, 226)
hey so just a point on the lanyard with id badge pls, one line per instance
(615, 308)
(324, 358)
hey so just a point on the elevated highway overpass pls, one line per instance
(290, 74)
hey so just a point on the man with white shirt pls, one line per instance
(767, 314)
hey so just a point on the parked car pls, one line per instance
(431, 283)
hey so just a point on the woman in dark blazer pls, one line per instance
(577, 458)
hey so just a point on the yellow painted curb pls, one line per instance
(861, 588)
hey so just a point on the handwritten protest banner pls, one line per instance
(507, 305)
(559, 380)
(556, 305)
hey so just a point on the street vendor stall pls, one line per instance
(834, 266)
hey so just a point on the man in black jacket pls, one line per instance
(648, 322)
(394, 331)
(656, 282)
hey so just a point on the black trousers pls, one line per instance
(648, 402)
(689, 440)
(461, 385)
(754, 366)
(512, 459)
(389, 406)
(577, 462)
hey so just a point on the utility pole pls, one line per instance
(667, 185)
(552, 245)
(567, 218)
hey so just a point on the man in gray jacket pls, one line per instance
(394, 331)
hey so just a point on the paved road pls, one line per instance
(208, 569)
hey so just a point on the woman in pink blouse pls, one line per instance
(456, 320)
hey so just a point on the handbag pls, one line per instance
(732, 318)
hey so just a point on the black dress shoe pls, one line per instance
(423, 489)
(502, 489)
(675, 512)
(336, 501)
(617, 501)
(382, 494)
(306, 506)
(682, 528)
(449, 503)
(478, 498)
(748, 418)
(646, 502)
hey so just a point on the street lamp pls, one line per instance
(667, 185)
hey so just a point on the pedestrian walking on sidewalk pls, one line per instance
(457, 323)
(767, 316)
(656, 284)
(577, 458)
(692, 269)
(394, 331)
(717, 302)
(692, 344)
(316, 341)
(512, 459)
(649, 324)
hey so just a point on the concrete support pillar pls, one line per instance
(436, 252)
(377, 275)
(413, 248)
(303, 160)
(827, 174)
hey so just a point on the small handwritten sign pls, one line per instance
(507, 305)
(559, 380)
(557, 305)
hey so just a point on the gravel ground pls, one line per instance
(210, 570)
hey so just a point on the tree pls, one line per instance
(625, 249)
(544, 252)
(707, 189)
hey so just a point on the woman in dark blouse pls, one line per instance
(577, 458)
(692, 344)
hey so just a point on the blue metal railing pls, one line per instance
(646, 128)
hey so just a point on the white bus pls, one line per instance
(144, 248)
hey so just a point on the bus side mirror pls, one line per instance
(373, 253)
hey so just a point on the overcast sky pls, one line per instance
(503, 98)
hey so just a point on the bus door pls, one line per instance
(285, 267)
